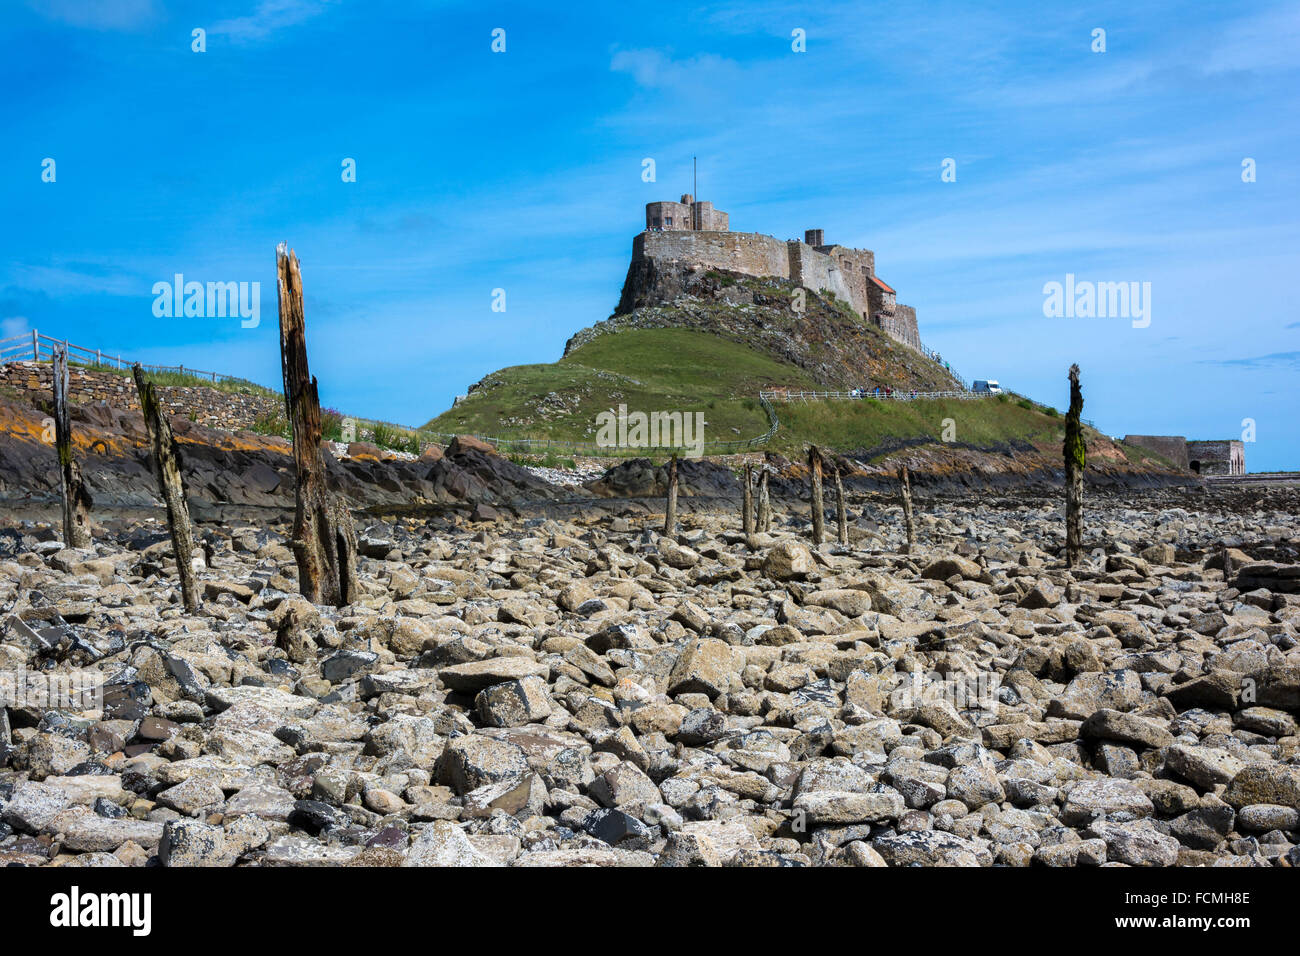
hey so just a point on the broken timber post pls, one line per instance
(167, 466)
(747, 505)
(818, 508)
(841, 511)
(764, 503)
(1075, 459)
(324, 538)
(670, 512)
(909, 521)
(76, 499)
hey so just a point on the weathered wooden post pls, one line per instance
(324, 538)
(167, 466)
(764, 503)
(1075, 459)
(905, 483)
(747, 505)
(841, 510)
(670, 512)
(818, 507)
(76, 499)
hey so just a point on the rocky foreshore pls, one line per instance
(545, 692)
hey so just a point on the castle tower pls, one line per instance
(687, 215)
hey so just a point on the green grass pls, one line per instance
(647, 370)
(687, 370)
(865, 424)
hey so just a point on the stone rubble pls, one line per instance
(543, 692)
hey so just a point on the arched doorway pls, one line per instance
(1196, 467)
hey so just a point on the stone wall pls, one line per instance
(1217, 457)
(814, 270)
(745, 252)
(1171, 447)
(210, 407)
(901, 325)
(837, 270)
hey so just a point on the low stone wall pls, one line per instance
(1170, 447)
(210, 407)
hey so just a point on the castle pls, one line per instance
(695, 232)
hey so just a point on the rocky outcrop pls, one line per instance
(245, 469)
(640, 478)
(826, 338)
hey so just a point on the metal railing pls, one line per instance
(34, 347)
(937, 359)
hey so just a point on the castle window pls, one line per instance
(668, 221)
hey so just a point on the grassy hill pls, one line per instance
(672, 369)
(709, 341)
(661, 369)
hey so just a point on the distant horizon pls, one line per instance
(983, 155)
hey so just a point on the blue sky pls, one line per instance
(522, 170)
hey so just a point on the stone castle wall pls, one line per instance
(835, 270)
(814, 270)
(902, 326)
(746, 252)
(34, 383)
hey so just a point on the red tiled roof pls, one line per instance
(882, 285)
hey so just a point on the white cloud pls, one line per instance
(14, 325)
(655, 69)
(97, 14)
(268, 17)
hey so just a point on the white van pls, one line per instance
(989, 387)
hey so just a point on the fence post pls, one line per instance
(1075, 460)
(909, 522)
(747, 505)
(670, 511)
(818, 514)
(76, 499)
(171, 484)
(36, 346)
(841, 512)
(324, 536)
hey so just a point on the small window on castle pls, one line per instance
(668, 221)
